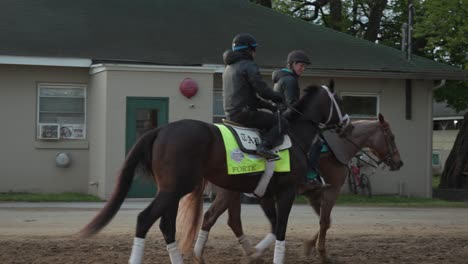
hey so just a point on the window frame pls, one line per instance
(215, 116)
(363, 94)
(42, 85)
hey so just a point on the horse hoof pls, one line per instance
(198, 260)
(254, 257)
(308, 246)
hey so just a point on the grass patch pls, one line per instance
(61, 197)
(390, 201)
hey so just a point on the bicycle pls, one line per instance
(359, 182)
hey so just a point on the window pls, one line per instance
(218, 109)
(61, 111)
(435, 159)
(360, 105)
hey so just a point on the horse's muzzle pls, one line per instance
(396, 165)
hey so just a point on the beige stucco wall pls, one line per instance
(111, 85)
(27, 164)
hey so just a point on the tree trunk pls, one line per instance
(336, 15)
(457, 162)
(375, 17)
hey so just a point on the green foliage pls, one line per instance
(445, 28)
(440, 31)
(455, 94)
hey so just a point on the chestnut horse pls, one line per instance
(373, 134)
(181, 155)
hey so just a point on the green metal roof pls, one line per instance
(196, 32)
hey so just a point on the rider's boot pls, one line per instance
(264, 149)
(313, 182)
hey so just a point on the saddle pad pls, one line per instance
(249, 138)
(239, 162)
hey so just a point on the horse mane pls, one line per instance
(309, 93)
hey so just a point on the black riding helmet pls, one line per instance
(244, 41)
(298, 56)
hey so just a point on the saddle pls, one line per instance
(341, 148)
(248, 138)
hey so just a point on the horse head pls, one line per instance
(384, 146)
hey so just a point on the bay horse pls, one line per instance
(373, 134)
(181, 156)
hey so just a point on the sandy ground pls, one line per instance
(42, 233)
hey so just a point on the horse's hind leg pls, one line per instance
(163, 204)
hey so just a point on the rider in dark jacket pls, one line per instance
(286, 83)
(245, 92)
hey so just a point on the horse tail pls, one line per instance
(140, 154)
(189, 216)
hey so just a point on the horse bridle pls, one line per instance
(344, 120)
(343, 123)
(391, 151)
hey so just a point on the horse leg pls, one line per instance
(235, 223)
(285, 202)
(217, 208)
(269, 208)
(328, 201)
(315, 202)
(162, 202)
(167, 226)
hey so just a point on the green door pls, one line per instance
(143, 114)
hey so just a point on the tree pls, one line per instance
(447, 42)
(360, 18)
(456, 165)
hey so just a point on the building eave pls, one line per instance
(45, 61)
(97, 68)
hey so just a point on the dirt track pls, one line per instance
(41, 233)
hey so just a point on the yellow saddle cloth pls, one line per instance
(239, 162)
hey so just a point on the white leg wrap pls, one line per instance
(280, 250)
(137, 251)
(200, 244)
(246, 245)
(174, 254)
(266, 242)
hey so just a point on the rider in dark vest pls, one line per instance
(245, 92)
(286, 83)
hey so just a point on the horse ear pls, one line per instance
(381, 118)
(331, 85)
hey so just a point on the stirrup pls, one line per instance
(268, 155)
